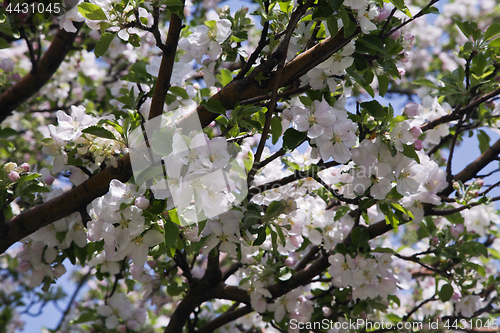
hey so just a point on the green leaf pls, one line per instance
(409, 151)
(174, 289)
(374, 109)
(261, 236)
(341, 211)
(25, 178)
(276, 129)
(3, 44)
(34, 188)
(225, 76)
(281, 236)
(484, 141)
(7, 132)
(84, 318)
(332, 25)
(383, 84)
(292, 138)
(335, 4)
(492, 32)
(214, 106)
(274, 209)
(400, 4)
(360, 307)
(91, 11)
(360, 236)
(171, 231)
(178, 91)
(383, 250)
(349, 26)
(103, 43)
(99, 132)
(424, 82)
(396, 300)
(401, 209)
(446, 292)
(478, 268)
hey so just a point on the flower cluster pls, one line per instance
(204, 46)
(328, 127)
(368, 277)
(123, 229)
(68, 137)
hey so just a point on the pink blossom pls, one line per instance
(13, 176)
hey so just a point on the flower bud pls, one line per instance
(456, 230)
(142, 202)
(25, 166)
(289, 262)
(480, 182)
(383, 14)
(411, 109)
(8, 167)
(415, 132)
(396, 34)
(418, 145)
(13, 176)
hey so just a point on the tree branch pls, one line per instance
(47, 65)
(166, 67)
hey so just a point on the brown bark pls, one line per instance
(48, 64)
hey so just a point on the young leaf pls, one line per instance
(446, 292)
(91, 11)
(99, 132)
(292, 138)
(103, 43)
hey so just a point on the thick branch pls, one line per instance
(200, 293)
(72, 201)
(39, 216)
(36, 79)
(166, 67)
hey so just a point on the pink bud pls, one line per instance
(142, 203)
(415, 132)
(13, 176)
(409, 37)
(411, 109)
(396, 34)
(434, 241)
(401, 71)
(480, 182)
(49, 180)
(418, 145)
(25, 166)
(456, 230)
(290, 262)
(407, 55)
(383, 13)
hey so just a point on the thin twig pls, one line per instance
(388, 20)
(73, 297)
(420, 13)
